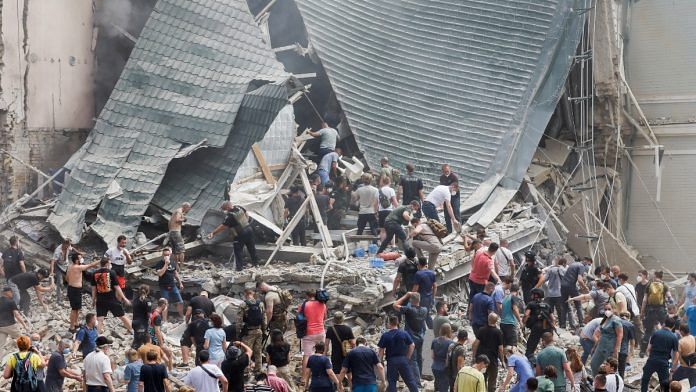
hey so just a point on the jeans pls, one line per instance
(556, 304)
(659, 366)
(587, 345)
(569, 292)
(653, 314)
(427, 302)
(441, 380)
(455, 210)
(430, 211)
(393, 229)
(244, 238)
(400, 366)
(58, 277)
(323, 175)
(475, 288)
(299, 232)
(323, 151)
(364, 219)
(416, 362)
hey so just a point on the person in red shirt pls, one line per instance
(315, 313)
(482, 269)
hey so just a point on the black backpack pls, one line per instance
(411, 267)
(384, 201)
(322, 296)
(253, 317)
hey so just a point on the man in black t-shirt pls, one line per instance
(153, 376)
(235, 364)
(362, 363)
(106, 294)
(292, 206)
(237, 221)
(335, 336)
(9, 317)
(20, 283)
(12, 259)
(410, 187)
(201, 301)
(405, 273)
(194, 335)
(489, 341)
(414, 317)
(530, 277)
(57, 369)
(169, 282)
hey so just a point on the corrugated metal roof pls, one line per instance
(185, 80)
(471, 83)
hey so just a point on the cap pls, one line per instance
(198, 311)
(103, 341)
(529, 254)
(6, 288)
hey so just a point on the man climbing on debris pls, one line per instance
(386, 170)
(253, 325)
(328, 136)
(74, 277)
(119, 256)
(107, 295)
(86, 337)
(21, 283)
(405, 273)
(490, 342)
(398, 217)
(516, 364)
(176, 241)
(482, 269)
(504, 261)
(398, 347)
(276, 301)
(12, 259)
(441, 197)
(425, 283)
(202, 302)
(654, 308)
(553, 275)
(451, 179)
(170, 282)
(9, 318)
(237, 221)
(511, 318)
(573, 278)
(367, 197)
(328, 166)
(539, 319)
(410, 187)
(59, 266)
(415, 325)
(292, 206)
(194, 335)
(531, 277)
(424, 239)
(339, 202)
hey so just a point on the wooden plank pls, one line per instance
(288, 230)
(315, 210)
(262, 163)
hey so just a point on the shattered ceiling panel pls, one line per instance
(200, 179)
(189, 71)
(472, 83)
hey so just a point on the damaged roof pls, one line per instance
(472, 83)
(191, 69)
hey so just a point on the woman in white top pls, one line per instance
(387, 202)
(578, 369)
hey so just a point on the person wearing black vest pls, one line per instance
(538, 318)
(252, 315)
(237, 221)
(12, 259)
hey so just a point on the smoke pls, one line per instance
(115, 13)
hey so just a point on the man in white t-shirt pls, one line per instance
(98, 366)
(367, 198)
(59, 266)
(119, 256)
(387, 202)
(204, 378)
(504, 261)
(440, 197)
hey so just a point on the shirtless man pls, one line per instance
(176, 241)
(74, 275)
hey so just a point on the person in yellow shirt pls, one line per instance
(25, 349)
(470, 378)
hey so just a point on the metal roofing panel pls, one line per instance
(183, 83)
(470, 83)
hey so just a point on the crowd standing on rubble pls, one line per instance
(513, 312)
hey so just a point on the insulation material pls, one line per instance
(472, 83)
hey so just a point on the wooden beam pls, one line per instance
(288, 230)
(262, 164)
(315, 211)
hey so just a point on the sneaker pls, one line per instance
(182, 365)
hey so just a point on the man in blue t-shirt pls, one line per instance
(398, 347)
(662, 347)
(86, 336)
(424, 284)
(362, 363)
(691, 316)
(481, 306)
(517, 364)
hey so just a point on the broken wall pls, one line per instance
(46, 84)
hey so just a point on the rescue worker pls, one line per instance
(237, 221)
(538, 318)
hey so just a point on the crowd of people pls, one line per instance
(508, 326)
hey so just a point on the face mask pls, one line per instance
(66, 351)
(453, 193)
(639, 279)
(608, 313)
(604, 277)
(166, 258)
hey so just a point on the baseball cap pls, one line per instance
(198, 311)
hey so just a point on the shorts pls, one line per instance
(106, 306)
(120, 271)
(382, 217)
(171, 294)
(509, 334)
(309, 341)
(75, 297)
(176, 241)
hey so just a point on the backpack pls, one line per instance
(24, 374)
(285, 300)
(301, 323)
(384, 201)
(540, 315)
(451, 361)
(322, 296)
(438, 228)
(408, 275)
(345, 344)
(655, 293)
(253, 315)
